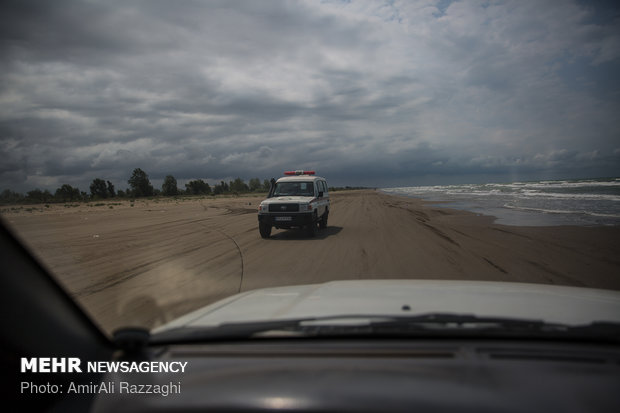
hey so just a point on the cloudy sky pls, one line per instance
(374, 93)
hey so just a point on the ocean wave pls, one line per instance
(478, 192)
(579, 197)
(559, 211)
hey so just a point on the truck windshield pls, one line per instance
(294, 188)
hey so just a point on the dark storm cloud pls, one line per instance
(365, 92)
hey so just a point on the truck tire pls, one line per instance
(323, 221)
(312, 228)
(264, 229)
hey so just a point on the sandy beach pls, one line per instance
(149, 261)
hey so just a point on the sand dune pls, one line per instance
(148, 262)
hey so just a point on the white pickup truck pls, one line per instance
(297, 200)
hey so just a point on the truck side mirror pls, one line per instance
(320, 194)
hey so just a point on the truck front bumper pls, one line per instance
(286, 220)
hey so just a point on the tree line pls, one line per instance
(139, 186)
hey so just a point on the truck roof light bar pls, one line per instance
(299, 172)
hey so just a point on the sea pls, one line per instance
(584, 202)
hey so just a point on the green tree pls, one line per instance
(37, 196)
(99, 188)
(239, 186)
(169, 187)
(10, 197)
(266, 185)
(198, 187)
(221, 188)
(67, 193)
(140, 183)
(254, 184)
(111, 191)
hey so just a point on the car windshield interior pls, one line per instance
(305, 206)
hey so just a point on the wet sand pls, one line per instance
(150, 261)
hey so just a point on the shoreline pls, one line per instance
(590, 202)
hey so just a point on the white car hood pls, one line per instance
(556, 304)
(288, 199)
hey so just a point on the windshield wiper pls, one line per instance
(433, 325)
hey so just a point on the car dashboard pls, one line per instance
(317, 375)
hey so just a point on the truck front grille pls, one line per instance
(284, 208)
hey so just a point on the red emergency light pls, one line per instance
(299, 172)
